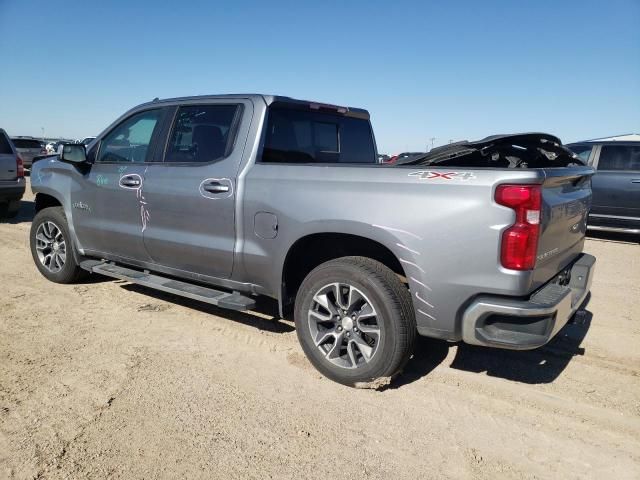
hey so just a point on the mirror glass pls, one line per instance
(74, 153)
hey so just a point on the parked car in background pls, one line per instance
(50, 147)
(11, 177)
(616, 184)
(223, 198)
(28, 148)
(87, 140)
(383, 158)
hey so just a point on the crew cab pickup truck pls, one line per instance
(224, 198)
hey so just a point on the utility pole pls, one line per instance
(432, 140)
(42, 128)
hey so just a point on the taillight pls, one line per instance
(19, 166)
(520, 241)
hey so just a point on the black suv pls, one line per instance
(616, 184)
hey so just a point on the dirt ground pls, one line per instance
(106, 379)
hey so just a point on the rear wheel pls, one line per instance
(355, 320)
(52, 247)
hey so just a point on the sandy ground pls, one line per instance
(106, 379)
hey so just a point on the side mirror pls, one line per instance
(73, 153)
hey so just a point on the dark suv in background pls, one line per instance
(11, 177)
(616, 184)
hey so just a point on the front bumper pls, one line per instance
(518, 324)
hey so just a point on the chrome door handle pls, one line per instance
(216, 187)
(129, 182)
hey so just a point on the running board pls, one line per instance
(219, 298)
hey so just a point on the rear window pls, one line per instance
(619, 157)
(25, 143)
(5, 146)
(302, 136)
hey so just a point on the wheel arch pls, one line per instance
(313, 249)
(45, 200)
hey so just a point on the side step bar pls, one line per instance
(219, 298)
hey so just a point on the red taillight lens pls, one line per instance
(19, 166)
(520, 241)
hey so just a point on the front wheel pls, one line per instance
(52, 247)
(355, 321)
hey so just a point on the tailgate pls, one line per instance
(8, 167)
(566, 199)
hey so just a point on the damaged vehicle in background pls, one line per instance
(224, 198)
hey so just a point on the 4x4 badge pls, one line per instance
(430, 175)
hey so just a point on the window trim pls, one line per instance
(231, 141)
(153, 141)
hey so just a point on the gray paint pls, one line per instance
(445, 233)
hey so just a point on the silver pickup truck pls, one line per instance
(224, 198)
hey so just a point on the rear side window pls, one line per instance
(302, 136)
(5, 146)
(129, 142)
(202, 133)
(582, 151)
(619, 157)
(26, 143)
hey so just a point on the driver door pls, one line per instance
(113, 212)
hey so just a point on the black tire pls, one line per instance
(394, 317)
(70, 271)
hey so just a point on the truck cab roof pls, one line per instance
(267, 99)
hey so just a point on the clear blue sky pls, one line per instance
(445, 69)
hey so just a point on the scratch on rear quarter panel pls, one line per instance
(391, 229)
(402, 260)
(407, 249)
(423, 300)
(426, 314)
(420, 283)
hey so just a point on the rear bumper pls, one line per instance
(519, 324)
(12, 189)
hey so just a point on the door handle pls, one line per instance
(130, 182)
(216, 187)
(635, 180)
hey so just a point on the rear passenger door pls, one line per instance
(191, 195)
(616, 185)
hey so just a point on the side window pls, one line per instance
(582, 151)
(129, 142)
(619, 157)
(202, 133)
(300, 136)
